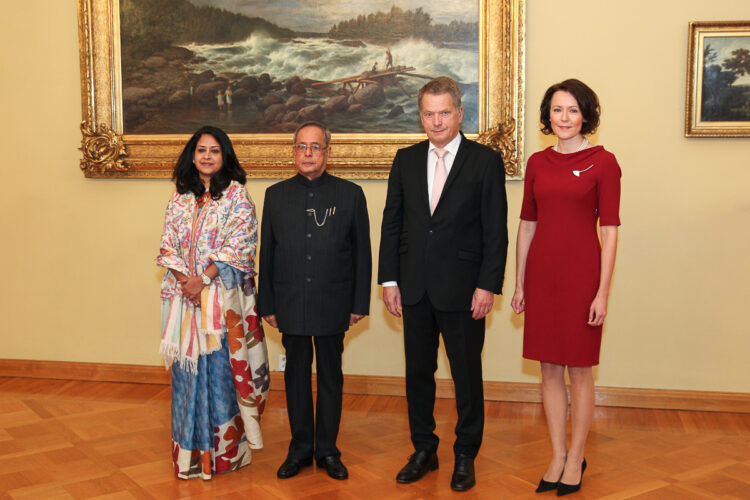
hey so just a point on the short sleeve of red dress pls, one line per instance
(528, 207)
(609, 192)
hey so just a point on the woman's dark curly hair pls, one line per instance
(588, 103)
(186, 176)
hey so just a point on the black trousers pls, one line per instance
(309, 439)
(463, 338)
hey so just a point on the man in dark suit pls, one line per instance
(314, 283)
(442, 258)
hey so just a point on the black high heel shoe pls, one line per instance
(547, 485)
(566, 489)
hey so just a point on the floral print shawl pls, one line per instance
(224, 232)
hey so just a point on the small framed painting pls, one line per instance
(718, 80)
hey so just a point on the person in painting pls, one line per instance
(211, 334)
(228, 97)
(220, 100)
(563, 273)
(442, 259)
(315, 276)
(388, 59)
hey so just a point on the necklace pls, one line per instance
(583, 145)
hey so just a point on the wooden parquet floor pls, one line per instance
(76, 440)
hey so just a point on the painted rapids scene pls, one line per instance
(252, 66)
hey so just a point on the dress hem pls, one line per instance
(556, 362)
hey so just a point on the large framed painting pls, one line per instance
(718, 80)
(153, 72)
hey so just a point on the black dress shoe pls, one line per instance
(420, 463)
(463, 473)
(566, 489)
(291, 467)
(332, 464)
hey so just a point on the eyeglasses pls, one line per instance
(314, 148)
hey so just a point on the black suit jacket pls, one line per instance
(315, 259)
(459, 248)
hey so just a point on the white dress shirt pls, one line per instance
(452, 149)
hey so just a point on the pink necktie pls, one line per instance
(439, 180)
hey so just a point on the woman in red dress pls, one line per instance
(563, 273)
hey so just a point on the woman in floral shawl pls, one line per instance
(211, 334)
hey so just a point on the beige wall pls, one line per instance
(77, 257)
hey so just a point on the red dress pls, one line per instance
(565, 194)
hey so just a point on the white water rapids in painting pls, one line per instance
(324, 59)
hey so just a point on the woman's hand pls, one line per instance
(517, 302)
(192, 288)
(597, 311)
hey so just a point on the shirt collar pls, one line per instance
(318, 181)
(451, 147)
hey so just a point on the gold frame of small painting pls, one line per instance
(717, 101)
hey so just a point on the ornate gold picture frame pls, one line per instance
(717, 102)
(109, 152)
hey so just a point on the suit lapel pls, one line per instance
(421, 160)
(461, 155)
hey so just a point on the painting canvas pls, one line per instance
(725, 93)
(256, 67)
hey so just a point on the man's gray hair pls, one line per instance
(441, 85)
(313, 123)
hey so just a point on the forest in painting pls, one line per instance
(726, 79)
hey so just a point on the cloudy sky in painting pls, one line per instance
(320, 15)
